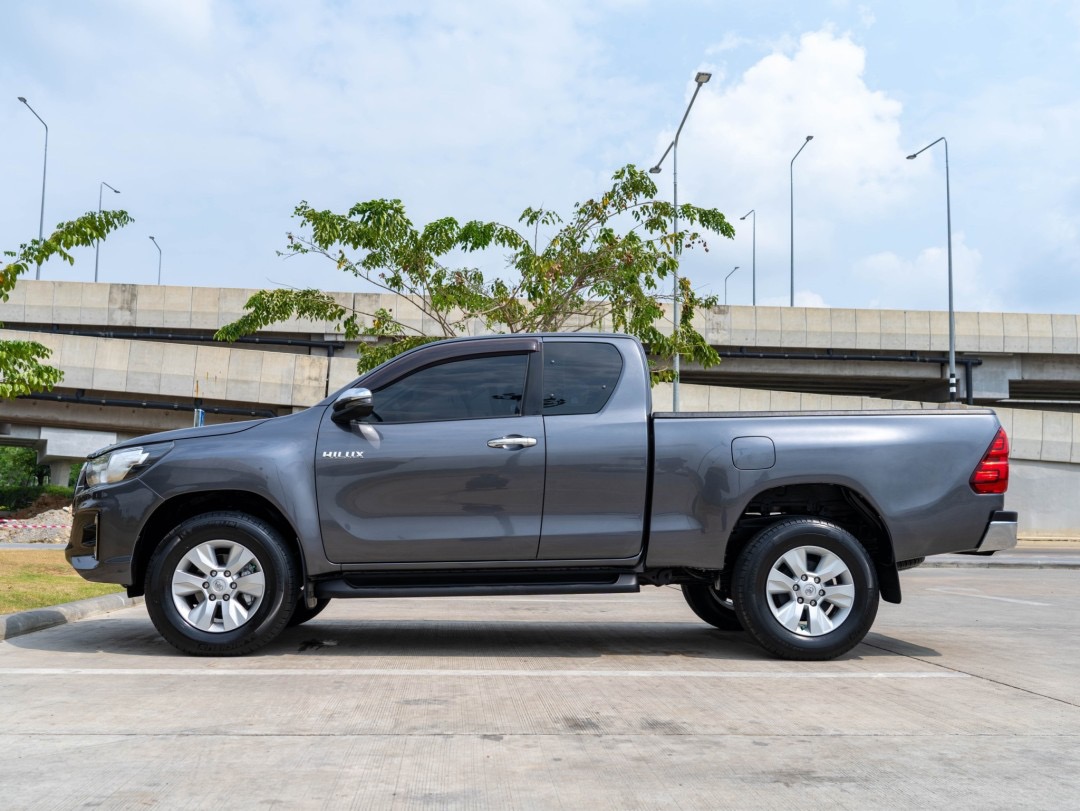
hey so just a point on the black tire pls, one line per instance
(302, 613)
(200, 605)
(704, 601)
(802, 624)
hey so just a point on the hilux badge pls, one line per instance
(342, 454)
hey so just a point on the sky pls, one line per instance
(214, 119)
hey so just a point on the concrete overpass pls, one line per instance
(140, 358)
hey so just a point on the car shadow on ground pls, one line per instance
(383, 639)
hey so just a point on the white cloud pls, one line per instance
(921, 283)
(738, 144)
(744, 134)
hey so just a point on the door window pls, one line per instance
(466, 389)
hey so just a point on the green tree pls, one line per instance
(22, 366)
(605, 265)
(17, 466)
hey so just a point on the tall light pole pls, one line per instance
(158, 259)
(948, 238)
(44, 167)
(809, 138)
(725, 283)
(701, 78)
(753, 269)
(97, 242)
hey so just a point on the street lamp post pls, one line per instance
(700, 79)
(44, 167)
(158, 259)
(97, 242)
(753, 268)
(809, 138)
(948, 237)
(725, 283)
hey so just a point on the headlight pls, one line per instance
(122, 464)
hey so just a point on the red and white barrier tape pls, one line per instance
(8, 523)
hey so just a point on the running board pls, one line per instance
(484, 586)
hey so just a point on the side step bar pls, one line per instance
(356, 587)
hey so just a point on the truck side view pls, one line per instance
(532, 464)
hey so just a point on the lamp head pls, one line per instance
(702, 77)
(911, 157)
(655, 170)
(22, 99)
(809, 137)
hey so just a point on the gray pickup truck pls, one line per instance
(532, 464)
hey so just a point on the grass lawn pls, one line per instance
(33, 578)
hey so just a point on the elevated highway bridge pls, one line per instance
(141, 358)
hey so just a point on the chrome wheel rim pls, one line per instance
(218, 586)
(810, 591)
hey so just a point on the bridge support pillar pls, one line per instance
(60, 472)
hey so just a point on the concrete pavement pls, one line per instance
(964, 696)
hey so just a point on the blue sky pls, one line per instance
(215, 119)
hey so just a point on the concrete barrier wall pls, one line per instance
(168, 306)
(183, 371)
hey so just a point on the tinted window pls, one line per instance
(468, 389)
(579, 377)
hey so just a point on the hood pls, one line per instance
(185, 433)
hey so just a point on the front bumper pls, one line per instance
(1000, 532)
(106, 521)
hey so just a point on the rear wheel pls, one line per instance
(706, 602)
(805, 589)
(221, 584)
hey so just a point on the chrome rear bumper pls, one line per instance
(1000, 533)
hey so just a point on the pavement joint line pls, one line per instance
(203, 672)
(625, 735)
(965, 593)
(978, 676)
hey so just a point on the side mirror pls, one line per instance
(352, 404)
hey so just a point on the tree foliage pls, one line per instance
(17, 466)
(22, 363)
(604, 266)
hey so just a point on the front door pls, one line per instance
(448, 468)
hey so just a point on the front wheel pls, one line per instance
(221, 584)
(805, 589)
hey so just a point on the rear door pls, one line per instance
(595, 406)
(448, 468)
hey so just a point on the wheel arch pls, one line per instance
(837, 503)
(180, 508)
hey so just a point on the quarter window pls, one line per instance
(579, 376)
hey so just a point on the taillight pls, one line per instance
(992, 474)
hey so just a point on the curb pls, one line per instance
(1011, 564)
(1011, 559)
(38, 619)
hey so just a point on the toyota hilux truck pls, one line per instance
(533, 464)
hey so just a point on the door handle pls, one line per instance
(512, 443)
